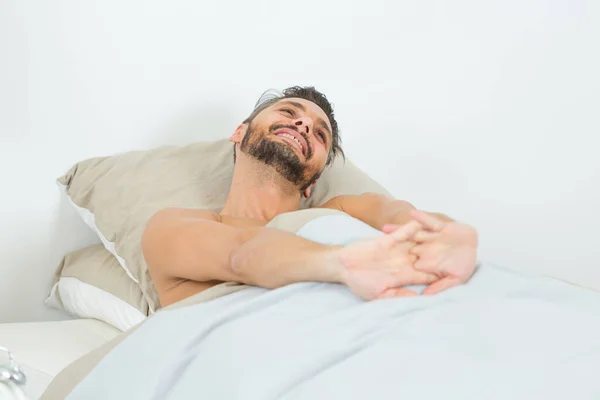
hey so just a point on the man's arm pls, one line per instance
(192, 244)
(376, 209)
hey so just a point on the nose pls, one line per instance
(305, 123)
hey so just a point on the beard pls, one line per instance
(279, 155)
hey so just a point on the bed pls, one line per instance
(43, 349)
(121, 344)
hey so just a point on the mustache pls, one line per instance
(295, 129)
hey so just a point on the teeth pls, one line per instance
(291, 137)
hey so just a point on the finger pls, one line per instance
(389, 228)
(397, 292)
(429, 263)
(400, 234)
(425, 236)
(412, 259)
(441, 285)
(406, 231)
(429, 221)
(418, 249)
(410, 276)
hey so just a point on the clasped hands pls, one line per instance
(427, 250)
(447, 250)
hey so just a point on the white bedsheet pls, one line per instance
(43, 349)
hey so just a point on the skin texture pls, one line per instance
(188, 251)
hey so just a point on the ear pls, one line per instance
(239, 133)
(307, 192)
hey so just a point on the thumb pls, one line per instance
(389, 228)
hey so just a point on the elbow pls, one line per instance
(240, 253)
(240, 268)
(247, 261)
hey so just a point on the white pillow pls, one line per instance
(90, 283)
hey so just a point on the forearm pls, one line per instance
(392, 211)
(377, 210)
(373, 209)
(402, 217)
(272, 258)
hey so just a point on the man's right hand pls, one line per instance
(380, 267)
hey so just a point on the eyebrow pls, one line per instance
(320, 121)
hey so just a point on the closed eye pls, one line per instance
(288, 111)
(323, 136)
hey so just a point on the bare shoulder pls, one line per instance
(169, 243)
(165, 224)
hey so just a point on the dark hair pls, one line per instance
(307, 93)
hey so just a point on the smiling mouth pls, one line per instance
(293, 140)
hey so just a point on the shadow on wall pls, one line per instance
(69, 231)
(217, 121)
(40, 251)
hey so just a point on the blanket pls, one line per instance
(503, 335)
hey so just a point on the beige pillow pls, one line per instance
(90, 283)
(116, 195)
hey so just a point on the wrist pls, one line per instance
(331, 262)
(442, 217)
(399, 213)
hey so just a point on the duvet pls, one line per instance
(503, 335)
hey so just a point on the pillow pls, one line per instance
(116, 195)
(90, 283)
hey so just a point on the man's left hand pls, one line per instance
(447, 249)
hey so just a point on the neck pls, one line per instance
(259, 192)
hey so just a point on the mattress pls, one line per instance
(43, 349)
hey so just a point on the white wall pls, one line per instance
(487, 111)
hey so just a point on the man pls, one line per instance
(280, 151)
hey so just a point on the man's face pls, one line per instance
(293, 136)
